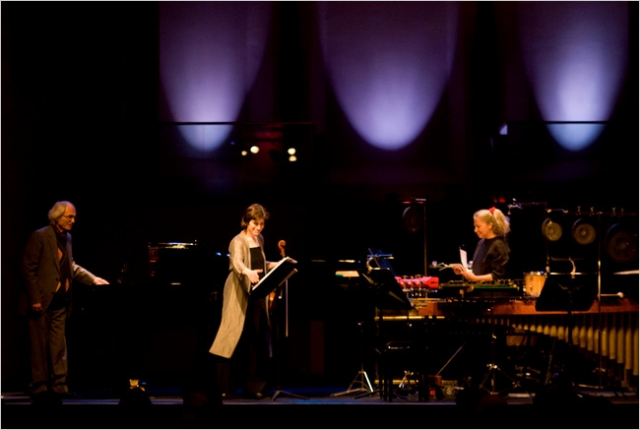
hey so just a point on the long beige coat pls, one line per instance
(235, 296)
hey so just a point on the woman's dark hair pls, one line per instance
(254, 212)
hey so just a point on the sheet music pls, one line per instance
(463, 258)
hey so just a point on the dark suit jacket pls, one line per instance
(41, 268)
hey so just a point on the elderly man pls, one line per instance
(49, 272)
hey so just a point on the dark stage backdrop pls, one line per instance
(87, 117)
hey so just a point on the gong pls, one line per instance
(412, 217)
(583, 232)
(551, 230)
(621, 244)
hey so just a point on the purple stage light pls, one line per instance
(575, 136)
(205, 137)
(389, 63)
(210, 53)
(575, 56)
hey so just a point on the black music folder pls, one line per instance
(384, 290)
(275, 277)
(564, 293)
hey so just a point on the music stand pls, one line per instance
(276, 277)
(279, 391)
(382, 291)
(564, 293)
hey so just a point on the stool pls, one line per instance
(408, 360)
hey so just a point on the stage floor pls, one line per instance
(326, 407)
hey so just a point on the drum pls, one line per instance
(533, 283)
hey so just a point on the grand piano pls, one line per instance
(155, 323)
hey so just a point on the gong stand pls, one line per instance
(585, 233)
(412, 218)
(601, 370)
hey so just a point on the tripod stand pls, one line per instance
(361, 379)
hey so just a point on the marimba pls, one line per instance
(607, 331)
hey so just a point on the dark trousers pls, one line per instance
(249, 366)
(48, 346)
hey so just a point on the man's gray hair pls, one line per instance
(58, 210)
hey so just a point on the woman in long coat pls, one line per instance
(244, 325)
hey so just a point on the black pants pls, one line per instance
(249, 366)
(48, 347)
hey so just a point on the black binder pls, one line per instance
(565, 293)
(384, 290)
(275, 277)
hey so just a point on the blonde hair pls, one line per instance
(499, 222)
